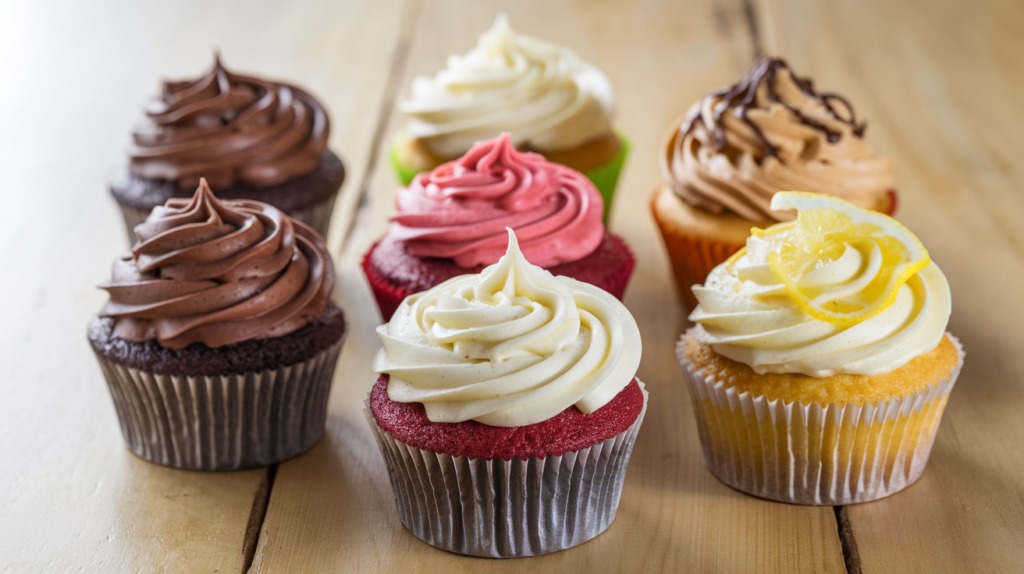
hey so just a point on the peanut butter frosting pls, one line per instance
(218, 272)
(771, 131)
(229, 129)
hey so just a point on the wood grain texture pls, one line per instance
(334, 509)
(75, 78)
(937, 88)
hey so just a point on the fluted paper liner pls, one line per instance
(317, 216)
(808, 454)
(223, 422)
(507, 509)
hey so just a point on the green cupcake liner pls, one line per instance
(605, 178)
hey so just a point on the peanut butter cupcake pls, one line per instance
(551, 102)
(735, 148)
(820, 364)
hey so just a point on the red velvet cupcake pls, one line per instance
(452, 222)
(507, 408)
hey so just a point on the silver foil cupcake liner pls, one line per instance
(223, 422)
(811, 454)
(317, 216)
(507, 509)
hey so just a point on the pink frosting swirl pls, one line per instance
(460, 210)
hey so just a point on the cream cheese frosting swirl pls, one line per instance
(771, 131)
(229, 129)
(511, 346)
(461, 210)
(218, 272)
(746, 314)
(543, 94)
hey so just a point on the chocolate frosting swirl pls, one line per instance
(218, 272)
(771, 132)
(229, 129)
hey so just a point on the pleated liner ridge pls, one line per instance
(507, 509)
(809, 454)
(224, 422)
(317, 216)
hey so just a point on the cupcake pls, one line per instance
(452, 221)
(506, 409)
(219, 340)
(736, 147)
(820, 364)
(550, 101)
(250, 138)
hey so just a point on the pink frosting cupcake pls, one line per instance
(453, 220)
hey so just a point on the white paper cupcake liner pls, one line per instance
(317, 216)
(809, 454)
(224, 422)
(507, 509)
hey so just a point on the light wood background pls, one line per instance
(940, 83)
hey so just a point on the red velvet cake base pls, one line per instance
(568, 431)
(394, 274)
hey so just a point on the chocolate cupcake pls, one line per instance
(507, 409)
(453, 220)
(250, 138)
(219, 340)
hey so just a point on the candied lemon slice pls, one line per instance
(840, 263)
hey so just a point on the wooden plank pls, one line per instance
(334, 509)
(75, 79)
(940, 91)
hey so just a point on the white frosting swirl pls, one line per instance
(512, 346)
(747, 315)
(543, 94)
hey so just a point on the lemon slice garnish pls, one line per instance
(877, 252)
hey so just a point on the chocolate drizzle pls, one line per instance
(741, 96)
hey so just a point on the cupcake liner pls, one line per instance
(692, 258)
(808, 454)
(389, 296)
(317, 216)
(605, 178)
(223, 422)
(507, 509)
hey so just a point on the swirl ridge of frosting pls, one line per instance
(746, 314)
(511, 346)
(218, 272)
(543, 94)
(230, 129)
(460, 210)
(771, 132)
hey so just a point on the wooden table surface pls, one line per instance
(939, 82)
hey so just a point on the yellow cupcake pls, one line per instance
(820, 365)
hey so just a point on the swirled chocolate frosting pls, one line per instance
(218, 272)
(229, 129)
(771, 132)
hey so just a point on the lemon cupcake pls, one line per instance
(552, 102)
(820, 366)
(737, 146)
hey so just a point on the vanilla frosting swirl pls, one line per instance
(229, 129)
(511, 346)
(218, 272)
(771, 132)
(543, 94)
(746, 314)
(460, 211)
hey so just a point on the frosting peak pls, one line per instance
(230, 129)
(771, 131)
(460, 210)
(218, 272)
(511, 346)
(544, 94)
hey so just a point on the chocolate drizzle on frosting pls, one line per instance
(229, 129)
(218, 272)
